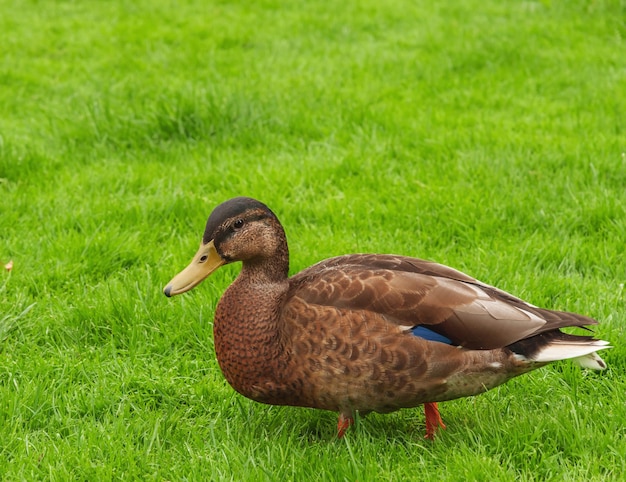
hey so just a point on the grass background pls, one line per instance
(486, 135)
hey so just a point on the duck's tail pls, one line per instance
(592, 361)
(556, 345)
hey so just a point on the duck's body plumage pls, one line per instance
(366, 332)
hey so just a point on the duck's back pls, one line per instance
(410, 292)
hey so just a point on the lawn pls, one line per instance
(489, 136)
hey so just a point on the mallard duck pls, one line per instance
(365, 332)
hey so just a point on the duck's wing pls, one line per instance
(415, 293)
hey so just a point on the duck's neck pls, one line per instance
(264, 271)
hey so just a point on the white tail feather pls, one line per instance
(583, 353)
(593, 361)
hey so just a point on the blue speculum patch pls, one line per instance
(430, 335)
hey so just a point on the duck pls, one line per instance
(362, 333)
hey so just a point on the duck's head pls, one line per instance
(241, 229)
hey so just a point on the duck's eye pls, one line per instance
(238, 224)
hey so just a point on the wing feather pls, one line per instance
(409, 292)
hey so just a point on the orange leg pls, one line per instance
(433, 420)
(343, 423)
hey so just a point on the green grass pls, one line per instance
(486, 135)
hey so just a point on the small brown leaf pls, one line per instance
(9, 266)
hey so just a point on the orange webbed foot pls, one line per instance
(433, 420)
(343, 423)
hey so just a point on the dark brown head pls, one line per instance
(241, 229)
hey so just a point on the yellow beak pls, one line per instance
(202, 265)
